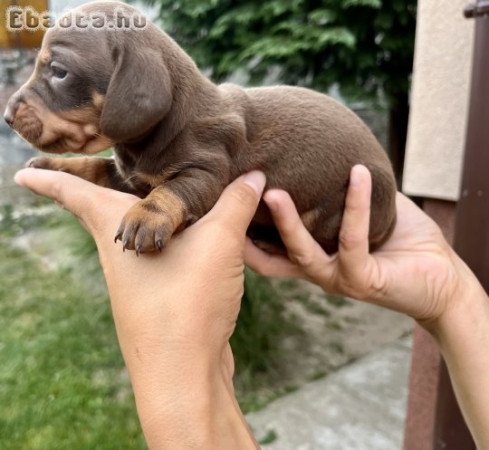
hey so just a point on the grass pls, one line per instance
(261, 325)
(62, 379)
(337, 301)
(269, 438)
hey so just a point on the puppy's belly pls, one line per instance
(324, 230)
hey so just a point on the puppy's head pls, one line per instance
(93, 85)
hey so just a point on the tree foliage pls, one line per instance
(363, 46)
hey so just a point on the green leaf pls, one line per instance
(322, 16)
(376, 4)
(360, 45)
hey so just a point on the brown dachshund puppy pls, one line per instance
(179, 139)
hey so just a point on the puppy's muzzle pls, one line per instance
(21, 117)
(9, 117)
(11, 109)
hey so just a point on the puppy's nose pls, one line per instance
(9, 117)
(11, 109)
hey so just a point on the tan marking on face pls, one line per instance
(98, 100)
(44, 56)
(83, 115)
(74, 131)
(26, 122)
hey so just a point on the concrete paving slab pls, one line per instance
(360, 407)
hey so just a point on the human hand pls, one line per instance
(175, 311)
(415, 272)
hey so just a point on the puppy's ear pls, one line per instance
(139, 95)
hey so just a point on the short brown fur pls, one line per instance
(180, 139)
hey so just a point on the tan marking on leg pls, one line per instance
(91, 169)
(155, 180)
(169, 203)
(150, 223)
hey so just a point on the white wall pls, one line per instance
(439, 100)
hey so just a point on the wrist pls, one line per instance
(465, 300)
(188, 403)
(462, 333)
(446, 291)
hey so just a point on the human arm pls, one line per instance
(414, 272)
(174, 312)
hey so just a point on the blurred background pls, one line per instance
(62, 379)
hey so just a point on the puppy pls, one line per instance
(179, 139)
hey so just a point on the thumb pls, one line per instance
(71, 192)
(238, 202)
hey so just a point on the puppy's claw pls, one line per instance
(125, 244)
(118, 236)
(159, 245)
(35, 162)
(138, 250)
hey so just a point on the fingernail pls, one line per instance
(256, 180)
(356, 175)
(18, 178)
(271, 205)
(270, 201)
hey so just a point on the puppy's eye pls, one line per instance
(58, 72)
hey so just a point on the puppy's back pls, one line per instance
(307, 143)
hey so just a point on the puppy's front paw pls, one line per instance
(145, 228)
(39, 162)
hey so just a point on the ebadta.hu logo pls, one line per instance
(19, 18)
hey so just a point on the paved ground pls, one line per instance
(360, 407)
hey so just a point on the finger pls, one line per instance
(237, 204)
(302, 249)
(80, 197)
(66, 189)
(269, 265)
(353, 240)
